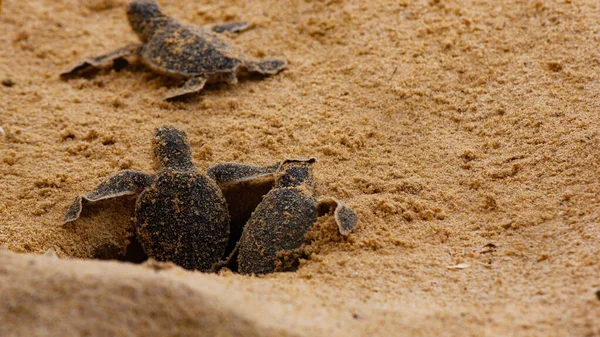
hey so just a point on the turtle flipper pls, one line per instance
(125, 182)
(267, 66)
(192, 85)
(345, 217)
(232, 27)
(114, 59)
(232, 173)
(230, 78)
(243, 187)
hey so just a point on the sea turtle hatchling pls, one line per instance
(180, 214)
(234, 215)
(280, 222)
(195, 54)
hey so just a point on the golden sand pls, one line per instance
(464, 134)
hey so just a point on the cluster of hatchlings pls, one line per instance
(239, 216)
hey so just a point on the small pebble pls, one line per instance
(7, 82)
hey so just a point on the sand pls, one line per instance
(463, 133)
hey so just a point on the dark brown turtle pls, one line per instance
(195, 54)
(282, 218)
(180, 214)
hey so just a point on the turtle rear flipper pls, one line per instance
(345, 217)
(115, 59)
(231, 27)
(269, 66)
(123, 183)
(192, 85)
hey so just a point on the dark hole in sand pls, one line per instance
(134, 252)
(120, 64)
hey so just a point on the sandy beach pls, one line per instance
(463, 133)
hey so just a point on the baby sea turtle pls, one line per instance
(280, 222)
(244, 214)
(195, 54)
(180, 214)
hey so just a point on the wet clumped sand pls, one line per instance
(463, 134)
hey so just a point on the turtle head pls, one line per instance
(296, 172)
(144, 17)
(171, 149)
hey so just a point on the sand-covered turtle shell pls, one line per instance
(279, 223)
(183, 218)
(184, 51)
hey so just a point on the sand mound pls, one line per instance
(44, 296)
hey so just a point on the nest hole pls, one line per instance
(133, 253)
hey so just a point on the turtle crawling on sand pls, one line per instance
(195, 54)
(245, 214)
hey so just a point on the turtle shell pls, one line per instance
(182, 217)
(179, 50)
(279, 223)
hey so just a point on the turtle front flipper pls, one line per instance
(123, 183)
(243, 187)
(269, 66)
(234, 173)
(192, 85)
(345, 217)
(115, 59)
(231, 27)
